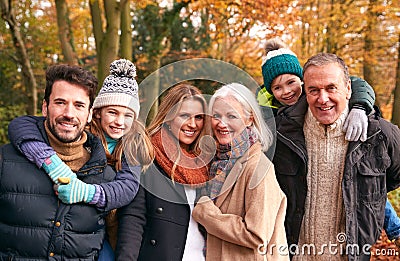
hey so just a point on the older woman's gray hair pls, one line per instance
(251, 108)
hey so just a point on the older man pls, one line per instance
(336, 189)
(34, 224)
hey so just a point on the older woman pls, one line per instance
(244, 210)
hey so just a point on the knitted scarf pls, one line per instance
(225, 158)
(189, 169)
(73, 154)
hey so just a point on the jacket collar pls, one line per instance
(158, 182)
(295, 112)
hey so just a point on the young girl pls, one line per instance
(127, 146)
(164, 228)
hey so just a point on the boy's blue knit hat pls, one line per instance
(277, 62)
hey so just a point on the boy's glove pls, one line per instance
(356, 125)
(56, 168)
(75, 191)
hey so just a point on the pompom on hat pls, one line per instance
(120, 87)
(277, 62)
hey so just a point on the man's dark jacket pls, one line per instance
(372, 168)
(34, 224)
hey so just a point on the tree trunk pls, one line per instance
(97, 24)
(151, 92)
(368, 66)
(28, 77)
(65, 33)
(396, 102)
(126, 31)
(107, 41)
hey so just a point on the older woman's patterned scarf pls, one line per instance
(225, 158)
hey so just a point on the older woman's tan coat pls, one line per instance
(248, 215)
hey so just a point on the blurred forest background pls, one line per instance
(93, 33)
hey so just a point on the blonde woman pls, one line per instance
(162, 209)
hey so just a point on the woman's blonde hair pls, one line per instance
(135, 145)
(169, 107)
(171, 104)
(250, 105)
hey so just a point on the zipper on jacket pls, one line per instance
(359, 144)
(85, 171)
(294, 145)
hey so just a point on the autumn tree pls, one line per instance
(396, 98)
(215, 29)
(126, 32)
(108, 20)
(65, 32)
(152, 34)
(153, 38)
(363, 33)
(381, 39)
(22, 58)
(237, 28)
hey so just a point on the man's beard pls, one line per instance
(59, 137)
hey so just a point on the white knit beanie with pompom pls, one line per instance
(120, 87)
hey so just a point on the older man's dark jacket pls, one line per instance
(34, 224)
(372, 168)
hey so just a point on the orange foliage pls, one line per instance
(384, 249)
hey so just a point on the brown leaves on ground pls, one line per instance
(384, 249)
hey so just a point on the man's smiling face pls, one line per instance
(327, 92)
(67, 111)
